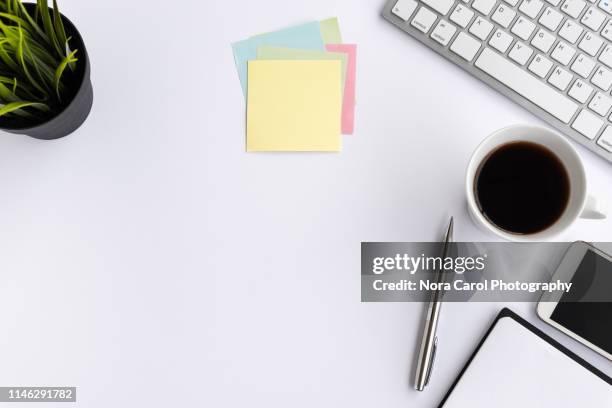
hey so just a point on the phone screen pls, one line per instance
(590, 320)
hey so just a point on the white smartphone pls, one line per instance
(589, 322)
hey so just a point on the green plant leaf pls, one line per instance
(16, 19)
(21, 89)
(14, 85)
(45, 74)
(6, 58)
(58, 24)
(43, 55)
(24, 13)
(60, 71)
(7, 80)
(14, 106)
(72, 65)
(7, 95)
(43, 9)
(24, 66)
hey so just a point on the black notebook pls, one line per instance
(517, 365)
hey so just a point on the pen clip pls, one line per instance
(433, 358)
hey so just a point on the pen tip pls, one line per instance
(449, 232)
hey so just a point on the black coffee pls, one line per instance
(522, 187)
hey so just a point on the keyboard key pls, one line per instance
(593, 19)
(551, 19)
(500, 40)
(484, 6)
(605, 140)
(543, 40)
(526, 85)
(481, 28)
(606, 5)
(602, 78)
(540, 65)
(583, 66)
(443, 32)
(404, 9)
(520, 53)
(580, 91)
(573, 8)
(512, 2)
(606, 55)
(587, 124)
(560, 78)
(424, 19)
(531, 7)
(555, 3)
(465, 46)
(600, 104)
(590, 44)
(563, 53)
(607, 31)
(441, 6)
(523, 28)
(462, 15)
(570, 31)
(503, 15)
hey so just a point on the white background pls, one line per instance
(149, 261)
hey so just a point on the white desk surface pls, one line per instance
(149, 261)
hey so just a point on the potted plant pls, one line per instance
(45, 85)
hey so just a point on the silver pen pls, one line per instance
(429, 343)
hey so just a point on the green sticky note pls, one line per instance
(266, 52)
(330, 31)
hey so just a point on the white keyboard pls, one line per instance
(553, 57)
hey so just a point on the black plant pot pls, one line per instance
(81, 98)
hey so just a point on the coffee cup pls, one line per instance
(528, 184)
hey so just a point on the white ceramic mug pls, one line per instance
(580, 204)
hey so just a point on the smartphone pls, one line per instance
(585, 312)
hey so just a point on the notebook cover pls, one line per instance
(505, 312)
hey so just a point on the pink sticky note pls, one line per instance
(348, 103)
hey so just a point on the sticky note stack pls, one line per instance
(299, 85)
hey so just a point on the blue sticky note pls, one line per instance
(306, 36)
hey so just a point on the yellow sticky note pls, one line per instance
(294, 105)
